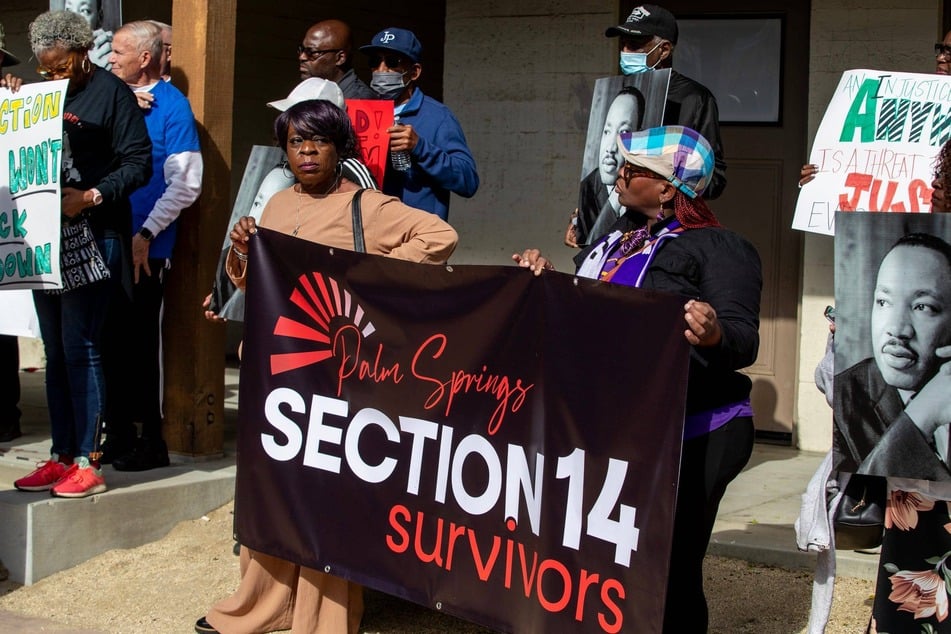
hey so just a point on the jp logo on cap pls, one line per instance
(679, 154)
(648, 20)
(398, 40)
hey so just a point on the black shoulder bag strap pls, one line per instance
(358, 244)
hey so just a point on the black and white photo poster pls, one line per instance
(619, 104)
(892, 388)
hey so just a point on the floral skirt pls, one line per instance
(914, 573)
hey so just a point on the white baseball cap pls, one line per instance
(311, 88)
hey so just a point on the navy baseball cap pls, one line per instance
(398, 40)
(648, 20)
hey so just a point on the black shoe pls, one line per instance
(147, 454)
(112, 449)
(202, 626)
(10, 433)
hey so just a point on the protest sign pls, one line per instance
(428, 431)
(876, 147)
(371, 118)
(31, 143)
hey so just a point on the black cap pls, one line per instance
(648, 20)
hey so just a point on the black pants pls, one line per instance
(709, 463)
(9, 382)
(133, 359)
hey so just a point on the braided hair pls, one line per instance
(693, 213)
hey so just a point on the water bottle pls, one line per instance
(400, 160)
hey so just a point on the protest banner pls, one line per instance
(428, 431)
(876, 146)
(892, 288)
(371, 118)
(618, 104)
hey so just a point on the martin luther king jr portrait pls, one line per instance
(892, 408)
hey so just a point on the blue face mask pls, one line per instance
(633, 63)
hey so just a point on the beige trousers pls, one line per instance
(276, 594)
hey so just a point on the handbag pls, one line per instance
(80, 260)
(859, 519)
(358, 244)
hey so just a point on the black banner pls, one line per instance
(496, 445)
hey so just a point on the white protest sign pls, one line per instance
(876, 147)
(31, 144)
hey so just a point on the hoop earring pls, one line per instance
(285, 169)
(338, 170)
(86, 66)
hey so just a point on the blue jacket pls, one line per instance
(172, 129)
(442, 162)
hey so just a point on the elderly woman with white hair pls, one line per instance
(669, 240)
(106, 155)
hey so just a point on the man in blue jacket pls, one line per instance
(440, 158)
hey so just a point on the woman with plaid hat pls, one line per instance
(669, 240)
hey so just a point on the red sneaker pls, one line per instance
(80, 483)
(46, 474)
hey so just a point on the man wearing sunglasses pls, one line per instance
(325, 53)
(440, 160)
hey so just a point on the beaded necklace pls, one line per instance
(633, 243)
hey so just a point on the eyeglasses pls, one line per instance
(392, 60)
(942, 50)
(49, 73)
(314, 53)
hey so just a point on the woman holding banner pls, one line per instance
(106, 155)
(683, 249)
(276, 594)
(225, 301)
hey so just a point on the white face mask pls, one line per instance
(387, 84)
(633, 63)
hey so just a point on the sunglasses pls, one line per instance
(314, 53)
(392, 60)
(49, 73)
(942, 50)
(630, 171)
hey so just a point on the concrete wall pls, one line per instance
(848, 34)
(521, 89)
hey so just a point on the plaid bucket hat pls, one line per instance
(679, 154)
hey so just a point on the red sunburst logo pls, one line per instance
(321, 299)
